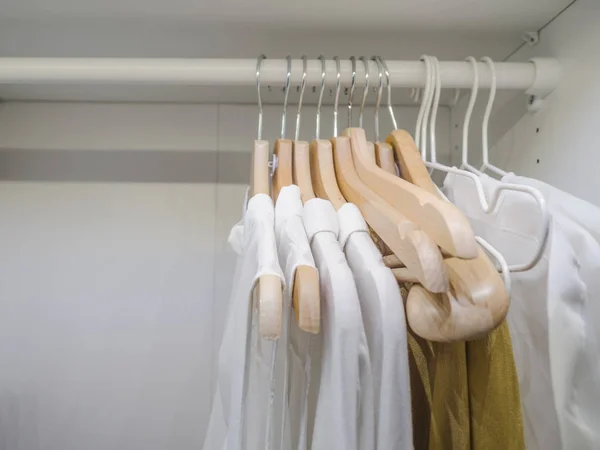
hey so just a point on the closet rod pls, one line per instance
(242, 72)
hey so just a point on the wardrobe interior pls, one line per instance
(117, 200)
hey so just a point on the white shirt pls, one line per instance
(294, 250)
(385, 326)
(243, 401)
(554, 311)
(574, 317)
(344, 417)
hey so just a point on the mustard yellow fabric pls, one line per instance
(465, 396)
(494, 399)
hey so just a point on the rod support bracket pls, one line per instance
(547, 77)
(532, 38)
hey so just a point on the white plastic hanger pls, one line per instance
(370, 147)
(384, 152)
(269, 289)
(486, 120)
(432, 68)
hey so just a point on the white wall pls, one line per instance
(114, 267)
(559, 143)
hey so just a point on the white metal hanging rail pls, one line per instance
(537, 77)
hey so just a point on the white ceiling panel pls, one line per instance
(448, 15)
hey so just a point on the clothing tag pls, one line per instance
(273, 165)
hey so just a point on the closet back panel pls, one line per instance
(558, 143)
(116, 272)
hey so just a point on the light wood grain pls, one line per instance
(269, 289)
(259, 175)
(442, 221)
(306, 298)
(301, 169)
(477, 301)
(283, 173)
(392, 261)
(270, 306)
(385, 157)
(323, 173)
(405, 239)
(305, 291)
(371, 152)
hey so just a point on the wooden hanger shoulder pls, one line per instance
(259, 175)
(269, 289)
(323, 173)
(306, 299)
(371, 151)
(440, 220)
(385, 157)
(305, 291)
(409, 159)
(282, 175)
(301, 169)
(404, 238)
(476, 283)
(461, 314)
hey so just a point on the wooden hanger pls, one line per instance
(269, 289)
(306, 297)
(305, 294)
(371, 151)
(404, 238)
(385, 157)
(442, 221)
(301, 169)
(301, 155)
(282, 176)
(477, 301)
(323, 173)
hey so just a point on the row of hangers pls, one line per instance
(458, 293)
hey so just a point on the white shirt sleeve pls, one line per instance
(294, 250)
(385, 326)
(344, 417)
(238, 419)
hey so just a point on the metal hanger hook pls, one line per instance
(389, 91)
(352, 87)
(259, 61)
(287, 91)
(302, 86)
(323, 72)
(337, 95)
(366, 91)
(379, 91)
